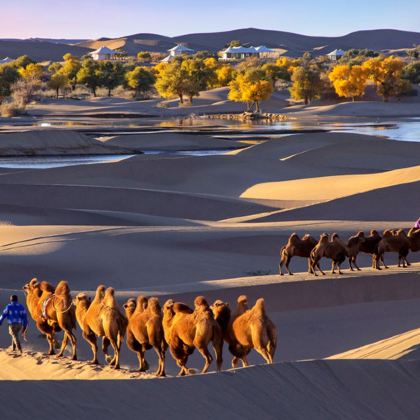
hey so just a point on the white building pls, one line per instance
(178, 51)
(241, 52)
(335, 55)
(103, 53)
(6, 60)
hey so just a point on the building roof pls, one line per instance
(181, 48)
(6, 60)
(167, 59)
(336, 52)
(264, 49)
(104, 51)
(240, 50)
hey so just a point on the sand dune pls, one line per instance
(330, 187)
(53, 142)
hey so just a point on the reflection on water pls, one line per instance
(46, 162)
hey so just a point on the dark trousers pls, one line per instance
(14, 331)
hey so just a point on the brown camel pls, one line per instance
(222, 314)
(414, 238)
(36, 294)
(333, 250)
(145, 331)
(254, 330)
(394, 241)
(353, 248)
(186, 329)
(370, 246)
(296, 247)
(58, 309)
(101, 318)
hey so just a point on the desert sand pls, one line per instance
(178, 226)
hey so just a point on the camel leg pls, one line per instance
(309, 266)
(235, 361)
(339, 268)
(63, 344)
(355, 264)
(312, 267)
(73, 345)
(90, 337)
(115, 363)
(218, 349)
(350, 263)
(105, 346)
(207, 356)
(288, 259)
(50, 339)
(333, 267)
(319, 267)
(161, 356)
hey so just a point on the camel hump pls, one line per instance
(201, 302)
(154, 306)
(242, 299)
(180, 307)
(46, 287)
(259, 306)
(374, 232)
(306, 237)
(293, 238)
(109, 298)
(62, 288)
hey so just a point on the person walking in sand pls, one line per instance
(17, 318)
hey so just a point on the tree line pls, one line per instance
(250, 82)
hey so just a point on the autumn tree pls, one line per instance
(224, 75)
(251, 87)
(140, 80)
(348, 81)
(29, 83)
(198, 77)
(70, 68)
(89, 75)
(307, 84)
(386, 73)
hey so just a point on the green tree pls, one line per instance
(111, 75)
(89, 75)
(8, 76)
(58, 81)
(411, 72)
(198, 77)
(144, 57)
(140, 80)
(307, 84)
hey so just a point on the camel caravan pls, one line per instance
(334, 248)
(145, 325)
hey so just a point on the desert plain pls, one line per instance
(184, 207)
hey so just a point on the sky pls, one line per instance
(113, 18)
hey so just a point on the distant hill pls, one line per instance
(39, 50)
(295, 44)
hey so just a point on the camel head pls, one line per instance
(129, 307)
(82, 300)
(31, 287)
(242, 304)
(62, 288)
(168, 308)
(221, 313)
(109, 297)
(335, 237)
(200, 303)
(323, 238)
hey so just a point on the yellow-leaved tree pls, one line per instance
(250, 87)
(386, 73)
(348, 81)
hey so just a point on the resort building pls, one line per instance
(178, 51)
(6, 60)
(103, 53)
(335, 55)
(241, 52)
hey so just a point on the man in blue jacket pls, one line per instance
(17, 318)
